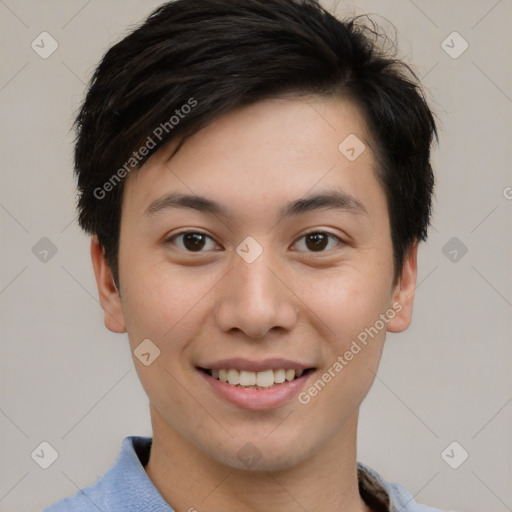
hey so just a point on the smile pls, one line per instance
(255, 380)
(256, 386)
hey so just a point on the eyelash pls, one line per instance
(182, 233)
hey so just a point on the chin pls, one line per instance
(261, 455)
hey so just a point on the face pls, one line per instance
(281, 261)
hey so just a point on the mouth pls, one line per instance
(265, 379)
(256, 385)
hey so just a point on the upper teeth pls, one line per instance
(263, 379)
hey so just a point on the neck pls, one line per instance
(191, 481)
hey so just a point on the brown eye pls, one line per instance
(192, 241)
(318, 241)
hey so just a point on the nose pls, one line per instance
(256, 299)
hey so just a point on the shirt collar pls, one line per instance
(132, 489)
(129, 487)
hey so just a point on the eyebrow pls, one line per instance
(327, 200)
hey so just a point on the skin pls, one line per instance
(291, 302)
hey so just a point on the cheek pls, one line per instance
(165, 307)
(351, 309)
(347, 302)
(160, 300)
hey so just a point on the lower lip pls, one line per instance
(257, 399)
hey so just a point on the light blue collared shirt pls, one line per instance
(126, 487)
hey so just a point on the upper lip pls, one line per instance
(255, 366)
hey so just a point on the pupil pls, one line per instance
(193, 241)
(319, 241)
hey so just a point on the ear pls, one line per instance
(109, 296)
(403, 293)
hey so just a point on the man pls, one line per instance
(256, 179)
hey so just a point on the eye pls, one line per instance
(317, 241)
(192, 241)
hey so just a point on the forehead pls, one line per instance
(266, 154)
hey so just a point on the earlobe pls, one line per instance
(107, 290)
(403, 294)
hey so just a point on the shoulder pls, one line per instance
(125, 482)
(89, 498)
(400, 499)
(405, 502)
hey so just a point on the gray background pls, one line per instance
(68, 381)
